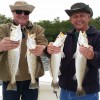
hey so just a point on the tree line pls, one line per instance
(53, 28)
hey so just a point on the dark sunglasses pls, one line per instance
(22, 11)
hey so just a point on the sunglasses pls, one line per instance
(22, 11)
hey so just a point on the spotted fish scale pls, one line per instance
(14, 56)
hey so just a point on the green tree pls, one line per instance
(4, 19)
(53, 28)
(95, 22)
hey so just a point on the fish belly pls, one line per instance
(54, 68)
(32, 63)
(13, 62)
(13, 67)
(80, 70)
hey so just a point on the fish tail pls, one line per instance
(80, 92)
(55, 86)
(56, 94)
(33, 85)
(12, 87)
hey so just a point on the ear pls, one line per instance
(89, 16)
(13, 13)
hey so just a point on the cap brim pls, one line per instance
(29, 8)
(71, 12)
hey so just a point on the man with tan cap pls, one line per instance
(21, 11)
(80, 15)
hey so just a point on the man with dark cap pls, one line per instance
(80, 15)
(21, 11)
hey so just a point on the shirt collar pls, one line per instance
(91, 31)
(29, 25)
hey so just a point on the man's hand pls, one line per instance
(87, 52)
(38, 51)
(53, 49)
(6, 44)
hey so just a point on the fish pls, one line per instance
(80, 63)
(32, 60)
(14, 56)
(56, 59)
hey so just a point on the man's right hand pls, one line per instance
(53, 49)
(6, 44)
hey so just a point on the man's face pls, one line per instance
(20, 17)
(80, 20)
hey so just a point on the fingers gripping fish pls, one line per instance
(32, 60)
(14, 56)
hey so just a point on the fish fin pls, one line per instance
(59, 73)
(74, 77)
(33, 85)
(62, 55)
(56, 94)
(74, 55)
(12, 87)
(55, 87)
(80, 92)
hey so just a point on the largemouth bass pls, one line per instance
(56, 59)
(32, 60)
(14, 56)
(80, 63)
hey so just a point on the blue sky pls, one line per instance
(49, 9)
